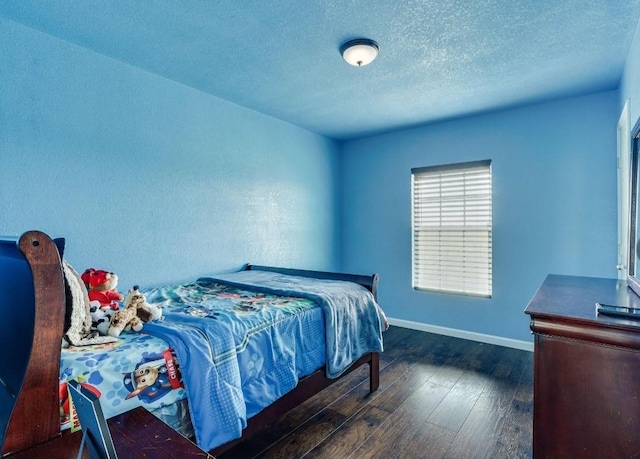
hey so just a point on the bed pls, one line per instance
(31, 277)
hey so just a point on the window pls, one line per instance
(451, 225)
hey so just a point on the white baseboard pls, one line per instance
(480, 337)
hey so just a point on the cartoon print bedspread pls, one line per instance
(137, 370)
(238, 345)
(239, 350)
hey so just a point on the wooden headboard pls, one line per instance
(368, 282)
(32, 309)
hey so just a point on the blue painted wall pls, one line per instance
(150, 178)
(160, 182)
(554, 206)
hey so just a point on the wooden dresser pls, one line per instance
(586, 370)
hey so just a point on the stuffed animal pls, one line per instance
(124, 320)
(146, 311)
(102, 287)
(101, 318)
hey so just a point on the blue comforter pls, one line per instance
(209, 350)
(353, 320)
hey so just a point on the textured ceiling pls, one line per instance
(438, 59)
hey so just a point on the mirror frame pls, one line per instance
(633, 279)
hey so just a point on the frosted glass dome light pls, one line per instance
(359, 52)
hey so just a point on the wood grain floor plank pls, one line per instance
(402, 425)
(481, 429)
(389, 398)
(524, 392)
(280, 435)
(517, 433)
(478, 435)
(479, 397)
(298, 443)
(416, 397)
(342, 442)
(452, 412)
(297, 417)
(383, 403)
(395, 335)
(429, 441)
(516, 436)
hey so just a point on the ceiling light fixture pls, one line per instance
(360, 51)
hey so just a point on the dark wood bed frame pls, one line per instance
(31, 277)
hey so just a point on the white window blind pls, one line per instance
(451, 222)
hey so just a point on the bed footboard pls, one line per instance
(317, 381)
(307, 387)
(369, 282)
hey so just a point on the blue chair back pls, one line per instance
(17, 306)
(32, 314)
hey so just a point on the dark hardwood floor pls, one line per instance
(438, 397)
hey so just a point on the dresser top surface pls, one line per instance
(574, 297)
